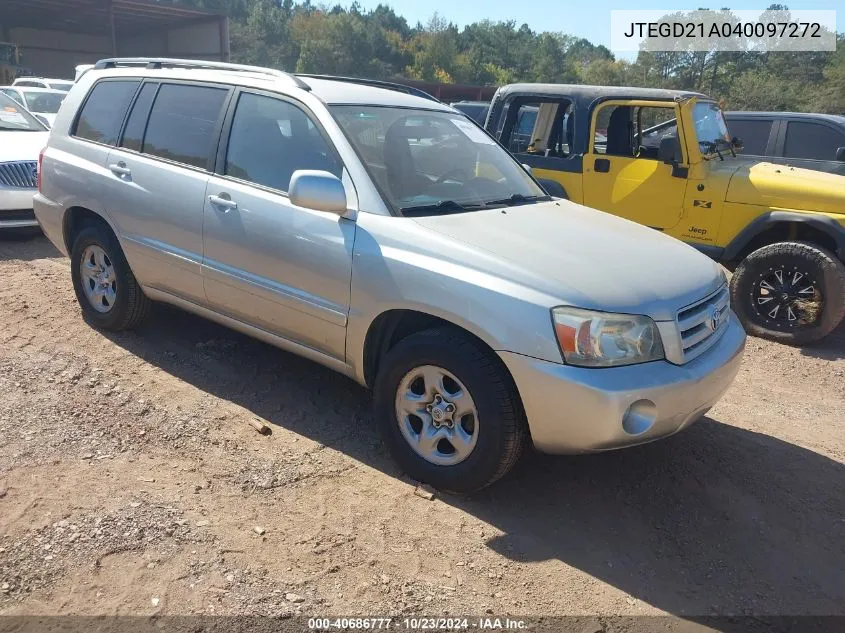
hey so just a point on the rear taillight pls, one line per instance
(38, 177)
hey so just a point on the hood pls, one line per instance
(785, 187)
(16, 145)
(587, 258)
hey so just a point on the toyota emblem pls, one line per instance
(715, 319)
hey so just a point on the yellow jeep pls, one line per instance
(665, 159)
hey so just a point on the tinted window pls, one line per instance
(133, 135)
(30, 84)
(812, 140)
(182, 121)
(754, 134)
(103, 111)
(271, 139)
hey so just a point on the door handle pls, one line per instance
(602, 165)
(223, 202)
(120, 169)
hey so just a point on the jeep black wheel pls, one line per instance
(790, 292)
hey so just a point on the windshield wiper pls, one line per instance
(444, 206)
(517, 199)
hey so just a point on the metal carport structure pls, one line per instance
(56, 35)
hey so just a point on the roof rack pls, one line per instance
(387, 85)
(167, 62)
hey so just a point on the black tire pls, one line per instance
(131, 305)
(502, 429)
(816, 265)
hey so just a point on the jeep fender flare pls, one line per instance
(822, 223)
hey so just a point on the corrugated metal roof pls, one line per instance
(92, 16)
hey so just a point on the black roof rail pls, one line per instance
(376, 83)
(168, 62)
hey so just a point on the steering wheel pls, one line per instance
(452, 172)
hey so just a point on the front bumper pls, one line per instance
(16, 209)
(577, 410)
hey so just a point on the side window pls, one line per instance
(182, 121)
(812, 140)
(133, 134)
(103, 112)
(754, 134)
(633, 131)
(11, 93)
(30, 84)
(543, 128)
(270, 139)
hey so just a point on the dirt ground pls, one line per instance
(132, 483)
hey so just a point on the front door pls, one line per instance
(622, 172)
(266, 262)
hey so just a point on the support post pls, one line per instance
(225, 52)
(112, 29)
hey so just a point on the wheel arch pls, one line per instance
(781, 226)
(393, 325)
(77, 218)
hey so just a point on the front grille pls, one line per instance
(696, 323)
(19, 174)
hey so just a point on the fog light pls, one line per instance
(639, 417)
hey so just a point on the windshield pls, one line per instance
(434, 161)
(14, 117)
(61, 85)
(46, 102)
(711, 131)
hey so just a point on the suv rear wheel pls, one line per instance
(792, 292)
(106, 289)
(449, 411)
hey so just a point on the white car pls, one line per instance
(44, 103)
(22, 137)
(40, 82)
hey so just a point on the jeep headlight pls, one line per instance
(602, 339)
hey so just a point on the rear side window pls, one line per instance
(133, 135)
(103, 112)
(753, 133)
(812, 140)
(182, 122)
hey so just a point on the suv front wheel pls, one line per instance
(791, 292)
(106, 289)
(449, 411)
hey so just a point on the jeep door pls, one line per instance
(623, 173)
(266, 262)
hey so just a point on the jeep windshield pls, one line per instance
(711, 131)
(429, 162)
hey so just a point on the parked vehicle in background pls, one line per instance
(80, 70)
(782, 229)
(40, 82)
(811, 141)
(382, 234)
(476, 110)
(42, 102)
(22, 137)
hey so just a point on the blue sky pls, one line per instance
(590, 19)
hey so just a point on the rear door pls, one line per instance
(268, 263)
(811, 144)
(158, 176)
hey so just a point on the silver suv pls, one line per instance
(386, 236)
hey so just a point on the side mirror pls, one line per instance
(528, 167)
(737, 144)
(669, 151)
(840, 154)
(43, 120)
(317, 190)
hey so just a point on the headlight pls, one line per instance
(602, 339)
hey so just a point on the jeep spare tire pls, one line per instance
(791, 292)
